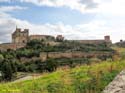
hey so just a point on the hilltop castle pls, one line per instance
(23, 37)
(20, 39)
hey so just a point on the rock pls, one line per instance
(117, 85)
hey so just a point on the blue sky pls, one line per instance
(75, 19)
(44, 14)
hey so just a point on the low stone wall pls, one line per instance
(33, 59)
(4, 47)
(92, 41)
(117, 85)
(44, 56)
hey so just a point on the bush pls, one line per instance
(7, 71)
(51, 65)
(95, 60)
(56, 87)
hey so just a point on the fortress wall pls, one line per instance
(52, 43)
(12, 46)
(38, 37)
(60, 55)
(41, 37)
(44, 56)
(90, 41)
(24, 59)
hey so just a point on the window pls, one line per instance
(23, 41)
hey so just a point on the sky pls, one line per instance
(74, 19)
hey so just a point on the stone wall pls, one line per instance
(92, 41)
(20, 36)
(117, 85)
(33, 59)
(41, 37)
(44, 56)
(98, 41)
(4, 47)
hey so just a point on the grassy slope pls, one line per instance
(83, 79)
(119, 49)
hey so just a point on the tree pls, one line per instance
(6, 70)
(51, 65)
(1, 58)
(14, 67)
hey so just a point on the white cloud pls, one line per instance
(6, 23)
(11, 8)
(4, 0)
(109, 21)
(81, 31)
(83, 6)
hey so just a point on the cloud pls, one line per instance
(6, 21)
(95, 29)
(4, 0)
(11, 8)
(80, 31)
(113, 8)
(89, 3)
(109, 20)
(82, 6)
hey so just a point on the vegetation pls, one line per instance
(82, 79)
(11, 61)
(42, 46)
(120, 44)
(92, 77)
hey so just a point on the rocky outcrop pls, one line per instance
(117, 85)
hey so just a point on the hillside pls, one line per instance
(79, 75)
(82, 79)
(64, 53)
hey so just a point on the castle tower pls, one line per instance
(20, 36)
(59, 38)
(107, 38)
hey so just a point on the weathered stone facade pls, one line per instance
(20, 36)
(99, 41)
(23, 36)
(13, 46)
(44, 56)
(42, 37)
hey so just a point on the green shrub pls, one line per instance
(55, 87)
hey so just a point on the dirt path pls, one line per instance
(29, 77)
